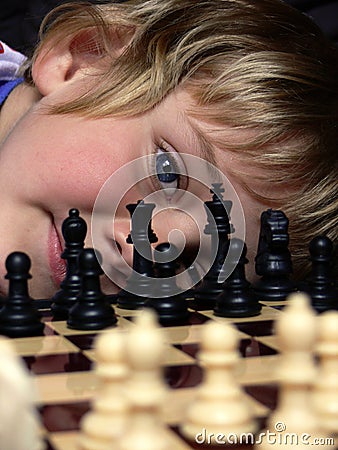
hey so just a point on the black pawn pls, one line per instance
(219, 227)
(170, 306)
(141, 236)
(19, 317)
(320, 285)
(273, 260)
(237, 298)
(74, 230)
(92, 310)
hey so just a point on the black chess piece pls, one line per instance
(273, 259)
(219, 227)
(320, 286)
(171, 307)
(74, 230)
(237, 298)
(92, 310)
(19, 317)
(138, 286)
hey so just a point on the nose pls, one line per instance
(109, 238)
(120, 240)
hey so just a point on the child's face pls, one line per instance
(52, 163)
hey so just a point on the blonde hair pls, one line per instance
(249, 65)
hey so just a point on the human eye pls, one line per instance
(168, 171)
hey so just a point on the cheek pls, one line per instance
(68, 161)
(78, 173)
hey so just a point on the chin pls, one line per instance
(42, 291)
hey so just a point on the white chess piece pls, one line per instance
(105, 422)
(325, 395)
(146, 389)
(294, 423)
(19, 420)
(220, 406)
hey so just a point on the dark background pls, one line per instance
(20, 20)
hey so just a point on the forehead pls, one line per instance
(209, 138)
(175, 110)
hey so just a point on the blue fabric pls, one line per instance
(6, 88)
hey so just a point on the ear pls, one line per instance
(60, 61)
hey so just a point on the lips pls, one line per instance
(56, 263)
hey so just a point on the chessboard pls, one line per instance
(62, 363)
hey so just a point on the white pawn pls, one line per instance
(220, 407)
(294, 423)
(146, 389)
(105, 423)
(326, 386)
(19, 421)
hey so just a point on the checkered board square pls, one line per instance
(62, 363)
